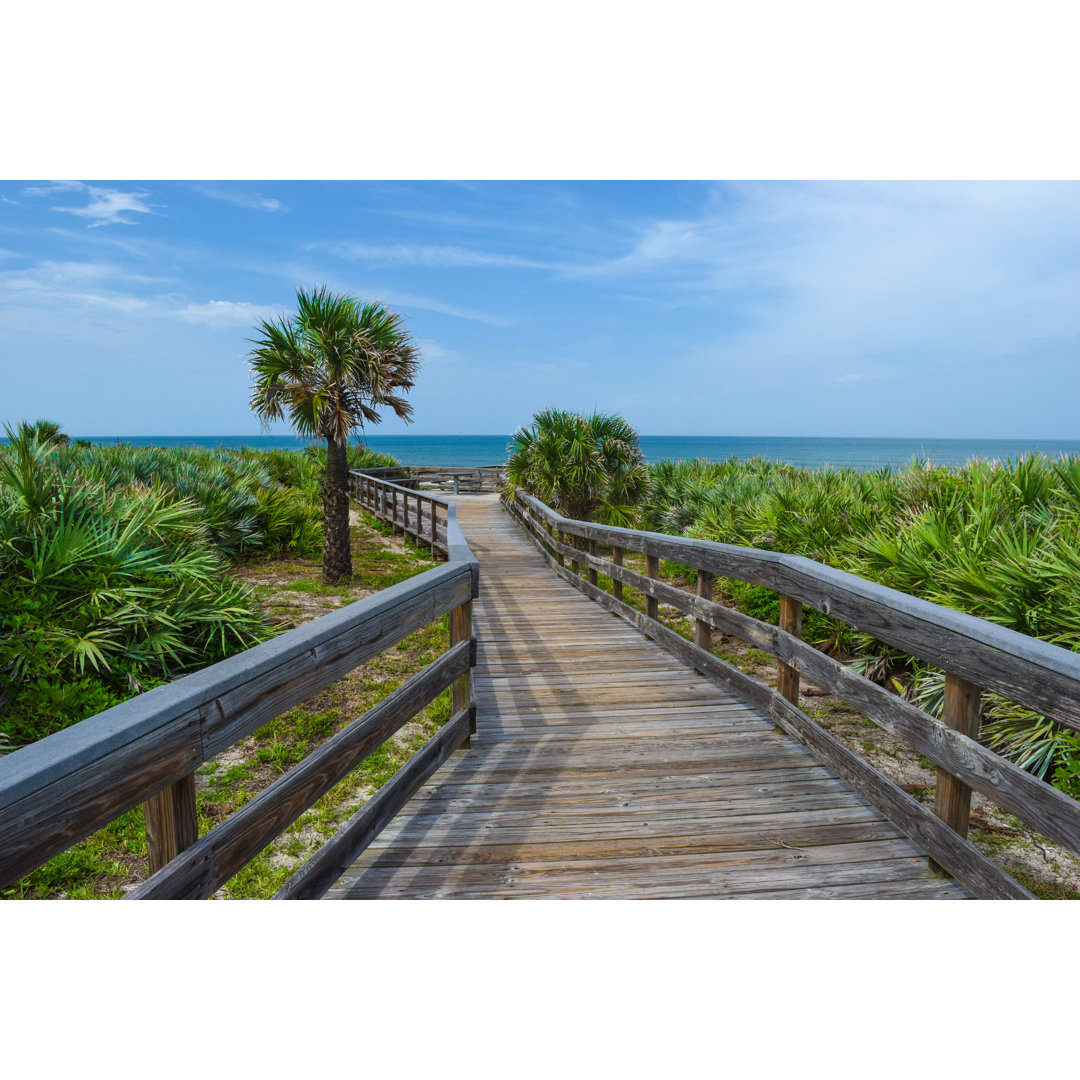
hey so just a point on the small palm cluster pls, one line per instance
(587, 467)
(996, 540)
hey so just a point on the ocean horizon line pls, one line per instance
(806, 451)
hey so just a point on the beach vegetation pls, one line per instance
(117, 565)
(586, 467)
(998, 540)
(328, 369)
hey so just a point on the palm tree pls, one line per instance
(328, 369)
(582, 466)
(45, 431)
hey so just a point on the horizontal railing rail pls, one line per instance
(56, 792)
(406, 509)
(972, 652)
(458, 478)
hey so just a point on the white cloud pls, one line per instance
(427, 304)
(53, 275)
(433, 255)
(54, 186)
(107, 206)
(430, 350)
(10, 202)
(227, 313)
(828, 278)
(248, 200)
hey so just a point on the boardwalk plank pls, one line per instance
(603, 767)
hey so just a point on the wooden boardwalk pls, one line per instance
(604, 767)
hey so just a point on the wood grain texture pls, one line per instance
(603, 766)
(61, 789)
(1039, 804)
(200, 870)
(787, 682)
(328, 864)
(171, 822)
(1021, 668)
(947, 848)
(702, 629)
(962, 712)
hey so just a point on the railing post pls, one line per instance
(702, 630)
(461, 688)
(393, 511)
(616, 586)
(171, 824)
(962, 711)
(652, 569)
(575, 567)
(562, 540)
(787, 678)
(592, 572)
(456, 487)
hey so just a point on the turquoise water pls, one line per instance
(491, 449)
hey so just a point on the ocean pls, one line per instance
(466, 450)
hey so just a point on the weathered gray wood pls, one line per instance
(787, 682)
(702, 629)
(617, 560)
(316, 876)
(207, 864)
(171, 822)
(61, 789)
(941, 843)
(461, 629)
(962, 712)
(652, 609)
(1021, 668)
(92, 790)
(1054, 814)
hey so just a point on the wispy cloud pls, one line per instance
(433, 255)
(426, 303)
(295, 272)
(65, 286)
(227, 313)
(10, 202)
(107, 206)
(248, 200)
(829, 278)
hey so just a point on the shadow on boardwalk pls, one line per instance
(604, 767)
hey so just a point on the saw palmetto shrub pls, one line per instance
(998, 540)
(115, 566)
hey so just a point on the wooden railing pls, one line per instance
(973, 653)
(407, 510)
(58, 791)
(475, 478)
(478, 478)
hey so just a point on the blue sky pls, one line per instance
(808, 308)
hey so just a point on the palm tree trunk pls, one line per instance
(337, 553)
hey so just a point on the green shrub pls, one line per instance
(999, 540)
(115, 563)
